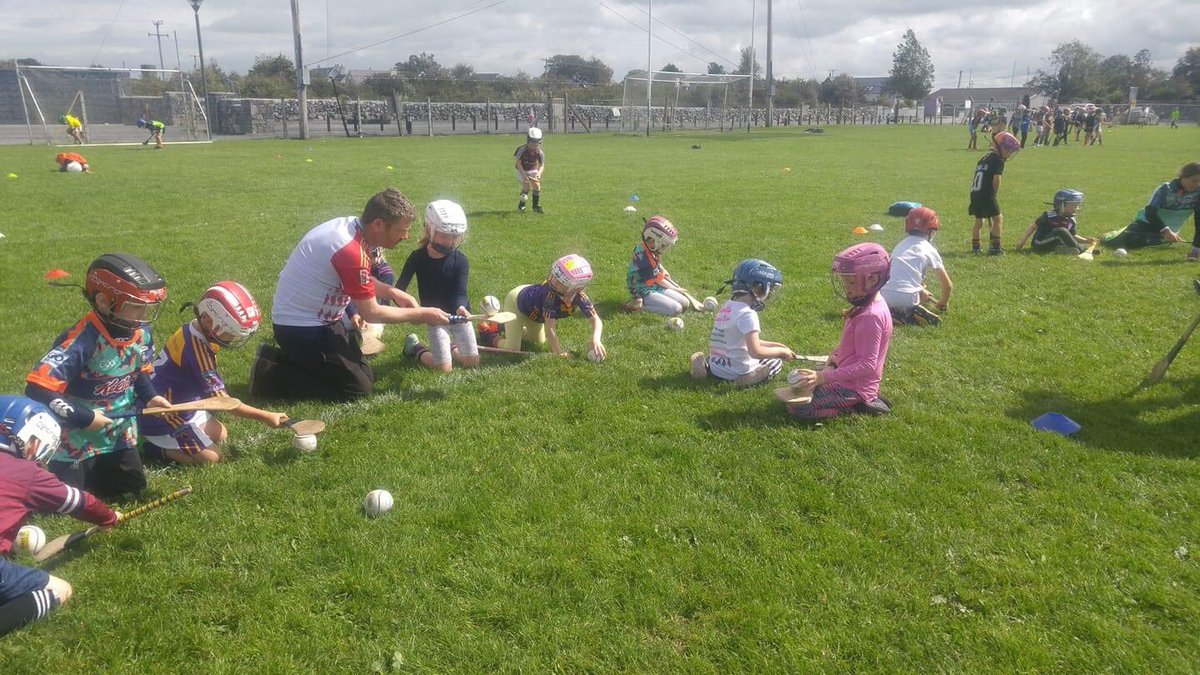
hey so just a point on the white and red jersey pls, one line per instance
(26, 487)
(328, 268)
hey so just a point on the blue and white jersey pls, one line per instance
(1173, 205)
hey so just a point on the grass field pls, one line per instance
(559, 515)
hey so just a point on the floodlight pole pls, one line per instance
(200, 44)
(750, 87)
(649, 63)
(770, 78)
(301, 78)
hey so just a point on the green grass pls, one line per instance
(555, 514)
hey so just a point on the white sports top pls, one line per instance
(727, 354)
(327, 269)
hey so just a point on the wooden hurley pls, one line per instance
(212, 403)
(796, 395)
(305, 427)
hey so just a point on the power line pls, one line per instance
(643, 29)
(404, 35)
(812, 61)
(107, 30)
(680, 34)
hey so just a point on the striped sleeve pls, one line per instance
(49, 494)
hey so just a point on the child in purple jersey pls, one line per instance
(29, 434)
(186, 370)
(849, 383)
(530, 164)
(539, 307)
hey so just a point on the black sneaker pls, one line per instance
(538, 209)
(995, 251)
(521, 207)
(976, 250)
(924, 317)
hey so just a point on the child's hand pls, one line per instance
(274, 419)
(598, 347)
(434, 316)
(788, 354)
(463, 311)
(925, 296)
(808, 379)
(943, 307)
(158, 402)
(360, 324)
(106, 528)
(99, 422)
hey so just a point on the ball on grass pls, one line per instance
(306, 443)
(794, 377)
(1120, 253)
(594, 356)
(489, 305)
(710, 304)
(377, 503)
(31, 538)
(74, 167)
(674, 323)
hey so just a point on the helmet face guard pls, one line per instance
(446, 218)
(28, 430)
(859, 272)
(760, 279)
(659, 234)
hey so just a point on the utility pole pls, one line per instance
(959, 79)
(158, 36)
(750, 88)
(301, 73)
(649, 63)
(770, 77)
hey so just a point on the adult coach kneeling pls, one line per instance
(318, 356)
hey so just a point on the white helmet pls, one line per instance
(534, 134)
(659, 234)
(445, 217)
(228, 314)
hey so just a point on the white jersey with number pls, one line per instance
(328, 268)
(728, 357)
(911, 257)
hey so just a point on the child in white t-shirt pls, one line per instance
(905, 291)
(736, 354)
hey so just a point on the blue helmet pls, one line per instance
(1067, 196)
(28, 429)
(759, 278)
(142, 123)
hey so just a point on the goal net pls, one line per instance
(108, 102)
(681, 101)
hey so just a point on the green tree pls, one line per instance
(715, 68)
(671, 68)
(912, 69)
(744, 64)
(420, 67)
(841, 91)
(1073, 75)
(270, 77)
(1185, 76)
(574, 69)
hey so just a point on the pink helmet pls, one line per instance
(922, 221)
(1007, 143)
(659, 234)
(868, 265)
(572, 271)
(231, 313)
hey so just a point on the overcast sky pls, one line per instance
(987, 41)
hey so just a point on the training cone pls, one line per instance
(860, 230)
(56, 274)
(1056, 423)
(875, 227)
(12, 175)
(630, 209)
(389, 167)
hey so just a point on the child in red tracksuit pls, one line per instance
(29, 434)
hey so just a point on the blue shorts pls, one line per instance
(17, 580)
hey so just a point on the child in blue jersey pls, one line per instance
(441, 270)
(29, 434)
(186, 370)
(1160, 221)
(102, 367)
(539, 307)
(649, 282)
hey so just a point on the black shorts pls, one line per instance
(984, 208)
(110, 474)
(321, 362)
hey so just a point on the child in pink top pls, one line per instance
(849, 383)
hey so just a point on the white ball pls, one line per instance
(31, 538)
(710, 304)
(674, 323)
(489, 305)
(1120, 253)
(377, 503)
(74, 167)
(373, 329)
(594, 356)
(306, 443)
(794, 377)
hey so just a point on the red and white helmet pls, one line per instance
(572, 272)
(1006, 143)
(867, 266)
(922, 221)
(228, 314)
(659, 234)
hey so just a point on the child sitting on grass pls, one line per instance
(650, 284)
(905, 290)
(186, 370)
(1054, 231)
(735, 351)
(850, 381)
(539, 307)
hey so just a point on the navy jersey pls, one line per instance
(990, 166)
(441, 282)
(1052, 220)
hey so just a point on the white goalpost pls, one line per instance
(109, 102)
(679, 101)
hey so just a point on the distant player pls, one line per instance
(186, 370)
(530, 165)
(1055, 231)
(65, 159)
(1091, 121)
(29, 435)
(156, 128)
(736, 352)
(74, 127)
(976, 120)
(905, 291)
(985, 187)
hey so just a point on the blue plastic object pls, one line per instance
(1057, 423)
(634, 198)
(901, 209)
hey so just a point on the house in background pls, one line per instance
(955, 102)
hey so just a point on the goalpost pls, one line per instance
(678, 101)
(109, 102)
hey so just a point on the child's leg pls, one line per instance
(765, 370)
(437, 356)
(466, 350)
(536, 186)
(74, 474)
(828, 400)
(975, 234)
(195, 442)
(997, 227)
(665, 303)
(698, 363)
(524, 181)
(28, 594)
(513, 330)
